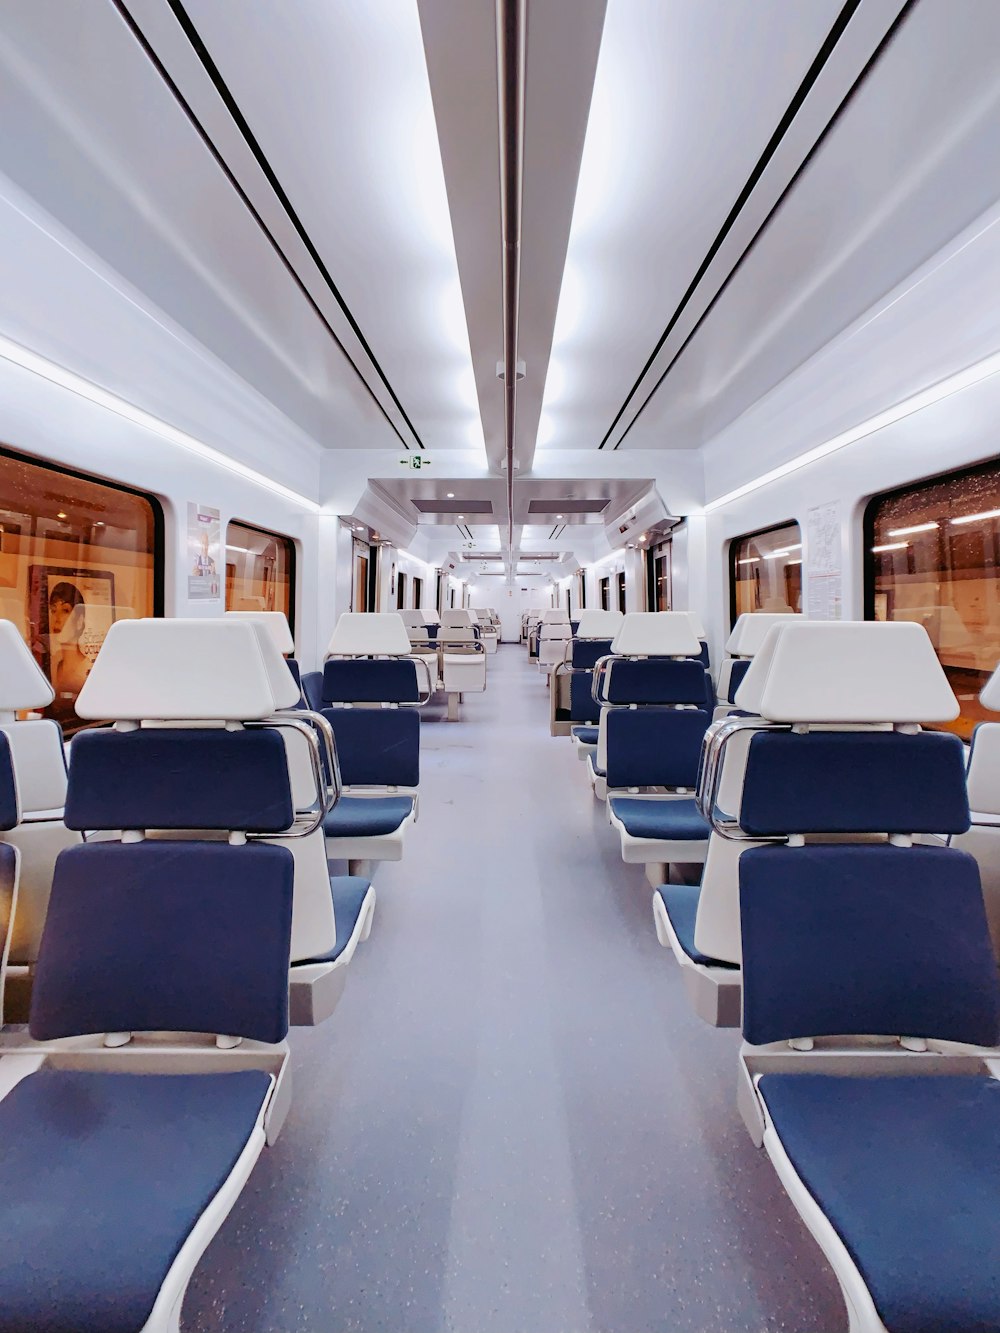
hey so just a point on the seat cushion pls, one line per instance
(585, 735)
(597, 772)
(367, 816)
(907, 1170)
(349, 894)
(102, 1178)
(681, 902)
(670, 820)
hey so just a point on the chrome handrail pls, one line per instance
(311, 726)
(710, 773)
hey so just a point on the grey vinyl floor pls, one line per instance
(513, 1123)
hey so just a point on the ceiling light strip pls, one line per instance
(111, 402)
(964, 379)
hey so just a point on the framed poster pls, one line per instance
(204, 553)
(70, 611)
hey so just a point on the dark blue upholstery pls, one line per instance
(592, 762)
(293, 667)
(655, 747)
(582, 707)
(670, 820)
(585, 735)
(8, 787)
(312, 688)
(103, 1177)
(367, 816)
(574, 625)
(187, 778)
(658, 680)
(736, 673)
(703, 656)
(681, 902)
(356, 680)
(907, 1170)
(166, 936)
(586, 652)
(349, 894)
(377, 747)
(862, 939)
(864, 782)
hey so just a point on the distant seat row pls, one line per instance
(454, 651)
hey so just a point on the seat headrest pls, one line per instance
(22, 684)
(275, 622)
(555, 617)
(187, 670)
(432, 617)
(847, 671)
(412, 619)
(697, 624)
(458, 617)
(656, 634)
(364, 633)
(749, 630)
(599, 624)
(990, 696)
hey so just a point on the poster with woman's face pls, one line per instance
(70, 612)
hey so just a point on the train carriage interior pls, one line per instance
(499, 666)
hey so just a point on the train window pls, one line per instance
(605, 589)
(76, 554)
(659, 574)
(418, 593)
(359, 590)
(620, 582)
(260, 571)
(765, 571)
(400, 591)
(932, 553)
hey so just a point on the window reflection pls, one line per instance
(766, 571)
(933, 552)
(260, 571)
(75, 556)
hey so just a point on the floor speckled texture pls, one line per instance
(513, 1123)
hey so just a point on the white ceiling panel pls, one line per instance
(686, 97)
(103, 145)
(338, 99)
(913, 159)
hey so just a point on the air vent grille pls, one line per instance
(567, 506)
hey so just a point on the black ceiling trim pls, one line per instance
(222, 88)
(791, 111)
(848, 96)
(203, 134)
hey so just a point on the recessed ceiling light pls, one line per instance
(450, 495)
(60, 514)
(559, 515)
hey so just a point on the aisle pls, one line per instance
(512, 1123)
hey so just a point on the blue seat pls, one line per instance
(681, 904)
(102, 1176)
(367, 816)
(585, 735)
(671, 819)
(655, 747)
(350, 893)
(907, 1171)
(312, 690)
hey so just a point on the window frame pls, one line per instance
(734, 543)
(153, 500)
(293, 565)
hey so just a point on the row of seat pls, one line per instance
(453, 649)
(192, 913)
(832, 904)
